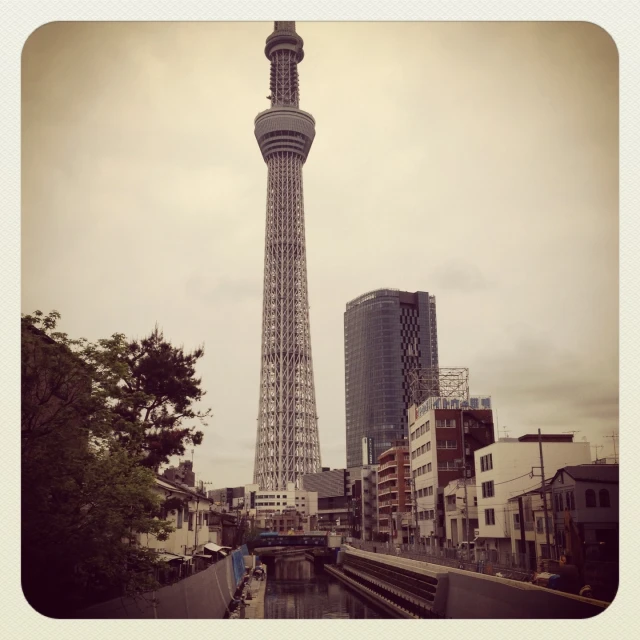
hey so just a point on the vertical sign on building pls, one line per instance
(367, 451)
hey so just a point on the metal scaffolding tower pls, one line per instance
(287, 444)
(438, 382)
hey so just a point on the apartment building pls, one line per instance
(333, 488)
(394, 493)
(442, 441)
(289, 500)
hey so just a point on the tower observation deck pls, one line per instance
(287, 444)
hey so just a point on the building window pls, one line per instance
(571, 502)
(428, 467)
(486, 462)
(559, 507)
(516, 521)
(489, 516)
(487, 489)
(429, 491)
(604, 498)
(446, 444)
(475, 501)
(428, 446)
(590, 497)
(191, 521)
(180, 516)
(446, 424)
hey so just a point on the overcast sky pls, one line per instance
(475, 161)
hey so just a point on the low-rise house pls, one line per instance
(525, 519)
(588, 493)
(189, 513)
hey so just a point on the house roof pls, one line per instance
(181, 487)
(592, 472)
(546, 437)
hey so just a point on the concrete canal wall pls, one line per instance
(205, 594)
(424, 590)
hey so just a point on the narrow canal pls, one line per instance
(296, 590)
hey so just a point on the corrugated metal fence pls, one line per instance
(205, 594)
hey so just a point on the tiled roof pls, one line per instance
(593, 472)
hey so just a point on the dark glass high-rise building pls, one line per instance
(387, 333)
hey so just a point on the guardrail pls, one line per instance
(448, 558)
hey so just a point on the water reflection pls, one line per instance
(295, 590)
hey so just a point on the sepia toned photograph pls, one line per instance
(320, 320)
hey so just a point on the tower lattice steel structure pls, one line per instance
(287, 444)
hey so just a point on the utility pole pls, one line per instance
(596, 447)
(544, 496)
(523, 536)
(414, 499)
(464, 470)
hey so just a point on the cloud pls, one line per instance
(476, 161)
(459, 277)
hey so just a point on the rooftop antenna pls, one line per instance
(505, 431)
(614, 437)
(596, 447)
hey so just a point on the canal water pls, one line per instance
(296, 590)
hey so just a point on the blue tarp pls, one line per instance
(238, 563)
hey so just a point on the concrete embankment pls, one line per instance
(369, 594)
(253, 608)
(426, 590)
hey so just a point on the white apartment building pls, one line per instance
(424, 473)
(509, 467)
(267, 502)
(441, 442)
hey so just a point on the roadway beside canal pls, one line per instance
(423, 590)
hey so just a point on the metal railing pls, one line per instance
(508, 565)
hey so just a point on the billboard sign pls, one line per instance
(472, 402)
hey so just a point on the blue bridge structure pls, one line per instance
(310, 539)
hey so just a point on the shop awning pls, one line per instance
(212, 546)
(168, 557)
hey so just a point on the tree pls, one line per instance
(152, 387)
(91, 415)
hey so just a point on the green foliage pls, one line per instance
(152, 387)
(97, 419)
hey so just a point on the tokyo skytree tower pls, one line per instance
(287, 444)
